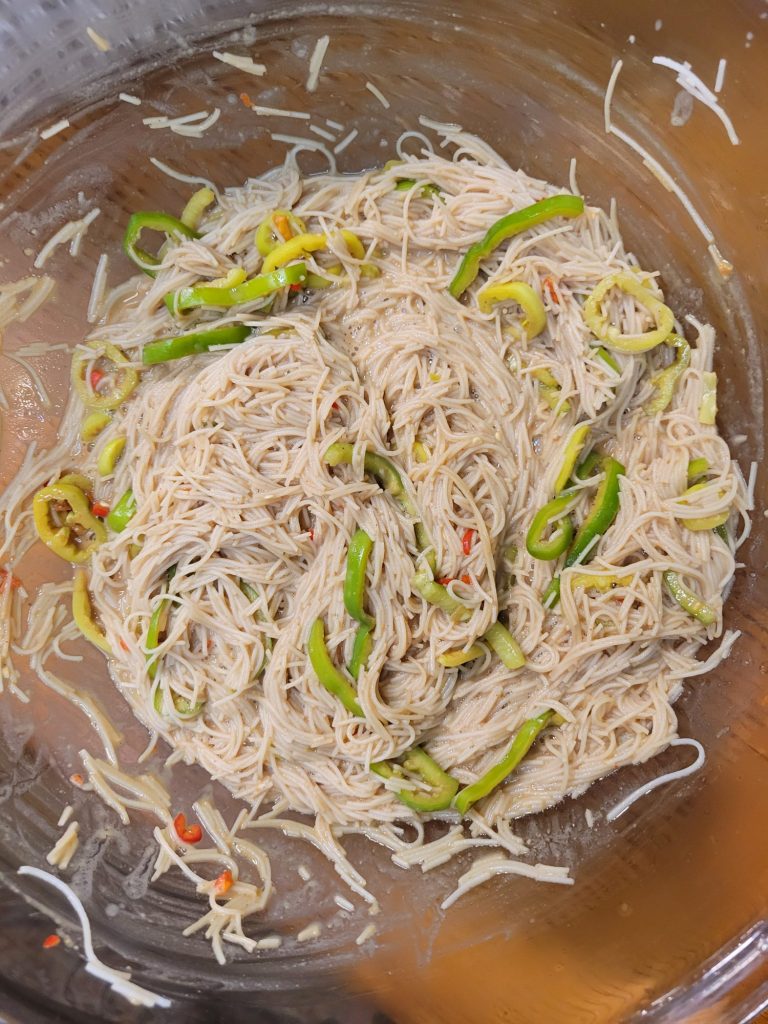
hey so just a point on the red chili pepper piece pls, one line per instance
(50, 941)
(549, 285)
(6, 577)
(124, 645)
(187, 833)
(100, 509)
(97, 377)
(245, 99)
(295, 287)
(467, 541)
(223, 883)
(311, 534)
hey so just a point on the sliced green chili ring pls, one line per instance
(151, 220)
(361, 649)
(712, 522)
(453, 659)
(597, 320)
(354, 580)
(123, 512)
(487, 782)
(664, 382)
(166, 349)
(722, 532)
(417, 761)
(504, 645)
(64, 539)
(687, 599)
(536, 543)
(440, 597)
(330, 677)
(124, 378)
(158, 625)
(249, 291)
(427, 189)
(93, 424)
(507, 227)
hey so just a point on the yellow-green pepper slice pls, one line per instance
(64, 538)
(82, 613)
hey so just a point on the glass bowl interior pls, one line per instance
(665, 892)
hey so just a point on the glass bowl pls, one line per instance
(667, 919)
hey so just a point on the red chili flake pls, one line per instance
(50, 941)
(76, 779)
(335, 405)
(467, 541)
(549, 285)
(311, 534)
(123, 644)
(245, 99)
(295, 287)
(100, 509)
(5, 576)
(187, 833)
(223, 883)
(96, 378)
(445, 580)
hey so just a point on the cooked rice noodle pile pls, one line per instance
(225, 458)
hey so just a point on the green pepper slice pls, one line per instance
(151, 220)
(329, 676)
(64, 537)
(158, 625)
(254, 288)
(535, 541)
(504, 645)
(417, 761)
(166, 349)
(123, 512)
(361, 649)
(521, 744)
(687, 599)
(665, 381)
(354, 580)
(438, 595)
(82, 613)
(507, 227)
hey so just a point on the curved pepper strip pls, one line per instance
(597, 321)
(573, 449)
(417, 761)
(61, 539)
(687, 599)
(123, 512)
(704, 522)
(452, 659)
(125, 377)
(504, 645)
(507, 227)
(428, 188)
(361, 649)
(82, 613)
(293, 249)
(158, 624)
(354, 580)
(196, 206)
(388, 477)
(109, 455)
(440, 597)
(184, 707)
(598, 581)
(535, 542)
(665, 381)
(329, 676)
(164, 350)
(249, 291)
(521, 744)
(697, 468)
(151, 220)
(269, 236)
(550, 389)
(517, 291)
(601, 514)
(708, 404)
